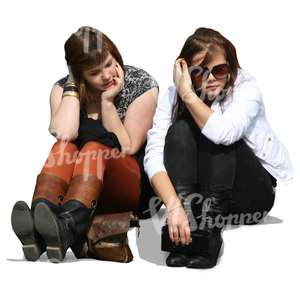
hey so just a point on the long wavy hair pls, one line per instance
(207, 41)
(86, 49)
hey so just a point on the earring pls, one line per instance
(228, 77)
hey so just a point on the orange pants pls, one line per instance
(120, 174)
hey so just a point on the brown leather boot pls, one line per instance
(63, 230)
(50, 188)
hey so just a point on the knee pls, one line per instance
(180, 132)
(251, 213)
(93, 145)
(181, 125)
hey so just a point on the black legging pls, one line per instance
(191, 158)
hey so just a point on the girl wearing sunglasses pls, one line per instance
(211, 155)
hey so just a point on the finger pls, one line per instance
(184, 66)
(187, 234)
(185, 70)
(119, 83)
(120, 75)
(182, 235)
(119, 70)
(178, 70)
(175, 235)
(179, 60)
(171, 232)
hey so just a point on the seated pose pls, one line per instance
(100, 115)
(211, 155)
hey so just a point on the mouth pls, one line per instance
(212, 87)
(109, 84)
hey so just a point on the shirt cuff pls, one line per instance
(211, 129)
(154, 166)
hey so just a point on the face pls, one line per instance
(213, 85)
(101, 76)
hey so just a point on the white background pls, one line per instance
(149, 35)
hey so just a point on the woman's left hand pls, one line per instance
(182, 78)
(116, 88)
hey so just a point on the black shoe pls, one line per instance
(208, 258)
(62, 230)
(176, 259)
(23, 226)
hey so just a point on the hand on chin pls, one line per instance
(111, 91)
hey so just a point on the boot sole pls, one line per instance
(46, 224)
(23, 226)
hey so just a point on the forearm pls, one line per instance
(198, 109)
(163, 187)
(112, 123)
(66, 118)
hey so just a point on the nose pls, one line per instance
(211, 78)
(105, 75)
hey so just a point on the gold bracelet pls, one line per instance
(71, 93)
(70, 83)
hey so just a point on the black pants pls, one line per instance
(191, 158)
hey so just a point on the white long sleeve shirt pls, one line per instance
(241, 115)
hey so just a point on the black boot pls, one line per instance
(23, 226)
(211, 220)
(189, 198)
(61, 231)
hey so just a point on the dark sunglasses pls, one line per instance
(200, 74)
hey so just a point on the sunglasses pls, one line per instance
(200, 74)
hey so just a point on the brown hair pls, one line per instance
(86, 49)
(208, 41)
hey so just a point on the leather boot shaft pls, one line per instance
(51, 188)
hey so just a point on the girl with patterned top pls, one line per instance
(100, 115)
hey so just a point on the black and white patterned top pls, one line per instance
(136, 82)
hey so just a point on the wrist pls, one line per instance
(188, 96)
(174, 208)
(70, 89)
(106, 101)
(173, 204)
(70, 98)
(71, 94)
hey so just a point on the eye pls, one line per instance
(94, 72)
(108, 64)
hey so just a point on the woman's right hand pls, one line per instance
(178, 226)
